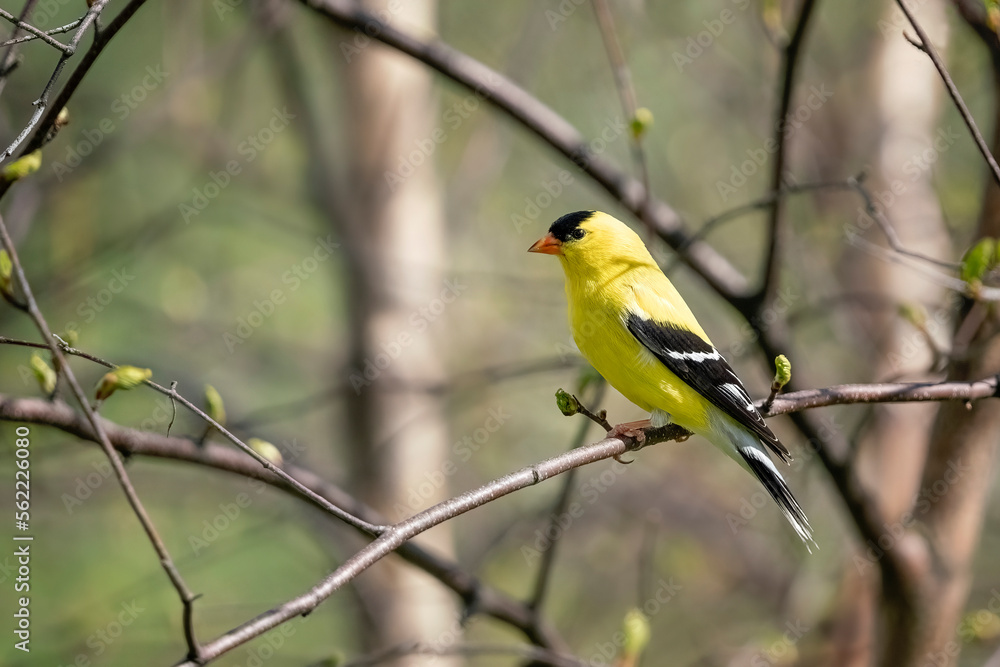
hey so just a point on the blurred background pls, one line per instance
(333, 236)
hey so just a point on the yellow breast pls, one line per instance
(602, 337)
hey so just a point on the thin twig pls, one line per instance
(403, 531)
(545, 568)
(9, 59)
(39, 34)
(626, 93)
(765, 201)
(956, 97)
(132, 442)
(54, 31)
(550, 127)
(174, 395)
(44, 118)
(789, 64)
(187, 597)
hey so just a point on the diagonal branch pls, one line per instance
(43, 120)
(59, 360)
(789, 63)
(550, 127)
(477, 595)
(956, 97)
(173, 394)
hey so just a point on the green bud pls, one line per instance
(567, 403)
(267, 450)
(43, 373)
(641, 122)
(70, 336)
(24, 166)
(214, 406)
(979, 260)
(6, 271)
(123, 377)
(782, 371)
(637, 633)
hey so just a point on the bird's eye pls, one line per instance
(577, 233)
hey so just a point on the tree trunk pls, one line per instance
(396, 245)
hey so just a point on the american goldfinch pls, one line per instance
(633, 326)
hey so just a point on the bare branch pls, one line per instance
(789, 65)
(956, 97)
(36, 33)
(44, 118)
(321, 502)
(480, 597)
(549, 126)
(62, 366)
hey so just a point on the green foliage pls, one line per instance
(567, 403)
(980, 260)
(43, 373)
(123, 377)
(782, 371)
(22, 167)
(214, 406)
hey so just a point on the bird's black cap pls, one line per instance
(562, 227)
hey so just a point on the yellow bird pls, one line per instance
(631, 323)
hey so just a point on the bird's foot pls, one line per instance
(632, 431)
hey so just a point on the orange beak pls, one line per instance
(547, 245)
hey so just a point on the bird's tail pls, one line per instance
(763, 468)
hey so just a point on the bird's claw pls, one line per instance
(630, 431)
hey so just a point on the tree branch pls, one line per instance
(43, 120)
(549, 126)
(63, 368)
(478, 596)
(789, 65)
(956, 97)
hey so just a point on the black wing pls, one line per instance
(705, 370)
